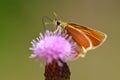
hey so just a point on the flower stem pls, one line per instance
(55, 72)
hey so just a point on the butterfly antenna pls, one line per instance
(44, 23)
(55, 16)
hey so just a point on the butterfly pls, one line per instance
(86, 38)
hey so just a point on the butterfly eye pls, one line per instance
(58, 23)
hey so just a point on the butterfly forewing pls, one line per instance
(96, 37)
(78, 36)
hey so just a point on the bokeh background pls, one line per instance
(20, 22)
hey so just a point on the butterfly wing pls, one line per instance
(96, 37)
(79, 37)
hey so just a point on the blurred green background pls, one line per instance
(20, 22)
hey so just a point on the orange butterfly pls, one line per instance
(86, 38)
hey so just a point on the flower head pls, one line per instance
(54, 46)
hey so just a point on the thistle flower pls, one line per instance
(54, 46)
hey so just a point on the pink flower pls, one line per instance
(54, 46)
